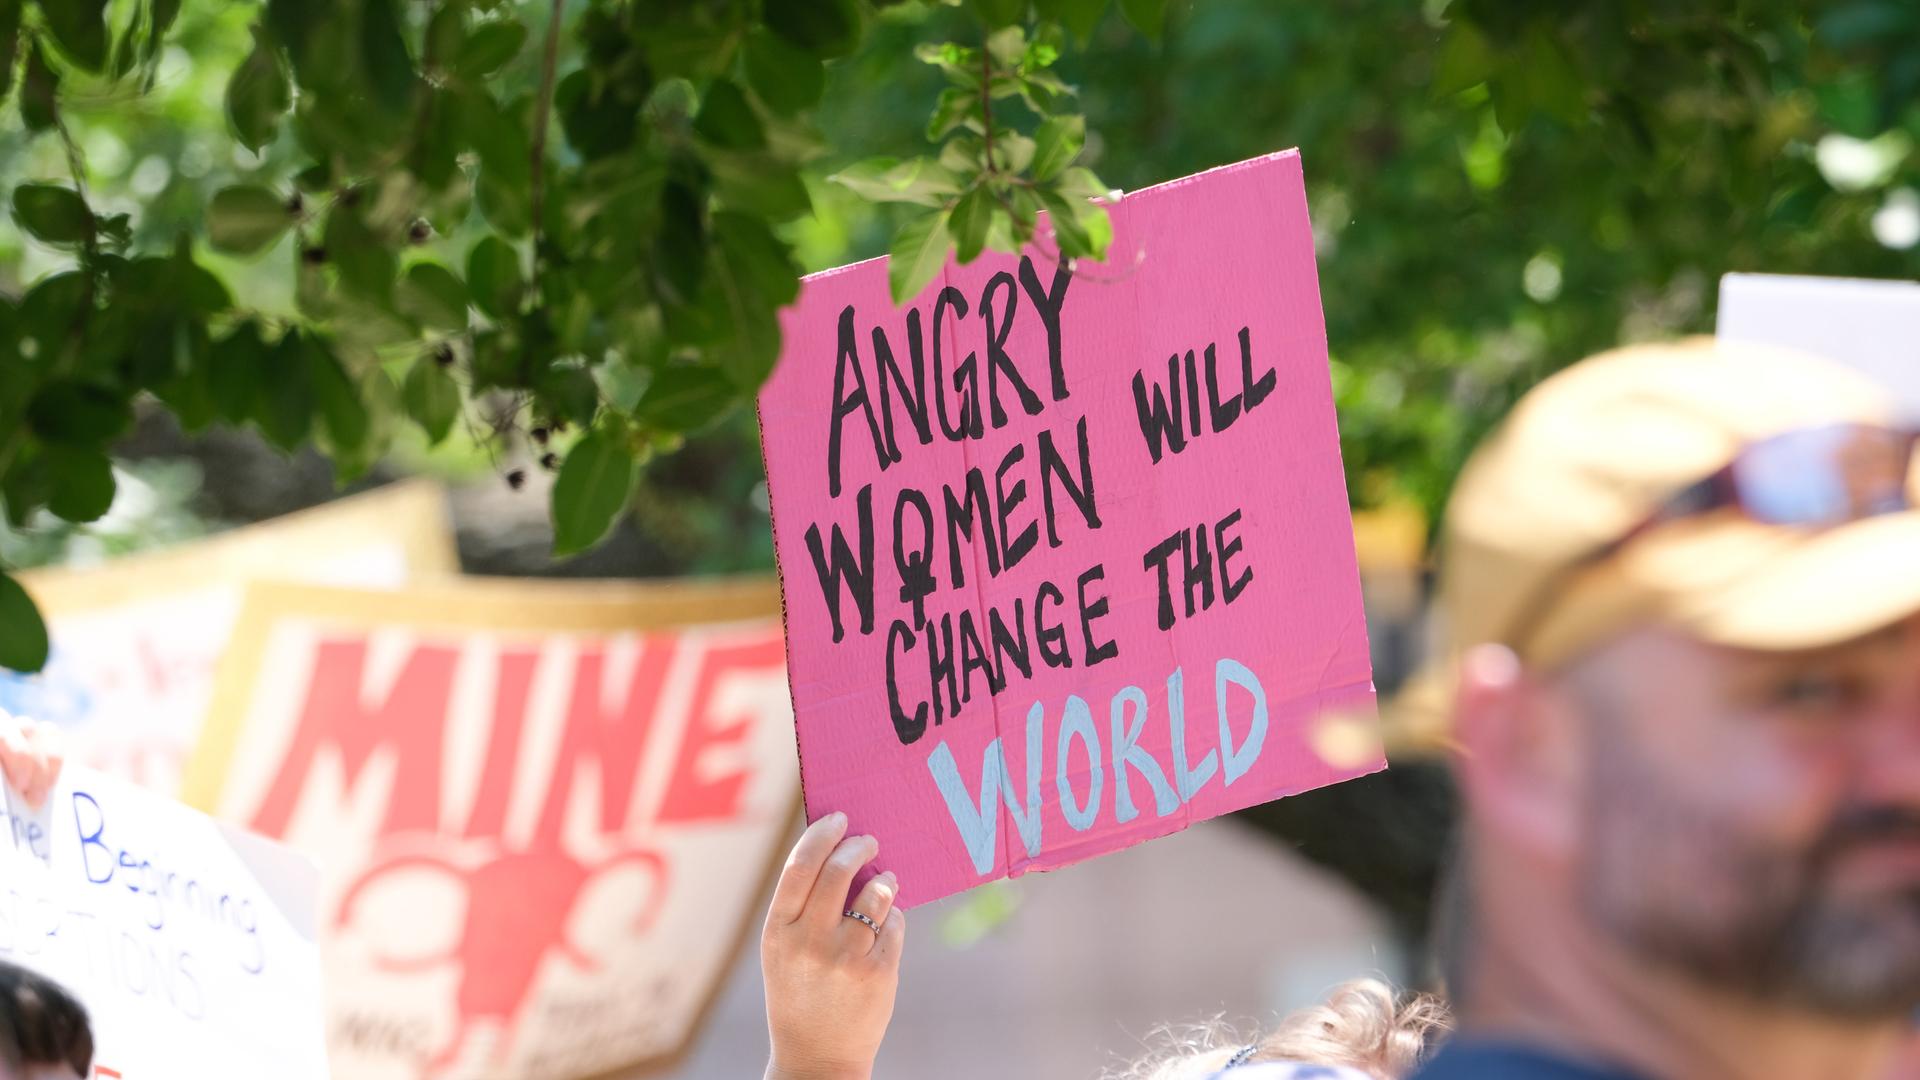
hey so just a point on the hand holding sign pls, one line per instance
(1067, 559)
(830, 977)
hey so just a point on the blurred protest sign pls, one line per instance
(1066, 555)
(136, 640)
(546, 809)
(1868, 325)
(190, 942)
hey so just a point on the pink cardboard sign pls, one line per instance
(1066, 556)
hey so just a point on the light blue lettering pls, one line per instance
(1078, 722)
(1239, 759)
(1127, 752)
(1188, 781)
(978, 822)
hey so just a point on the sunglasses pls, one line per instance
(1811, 478)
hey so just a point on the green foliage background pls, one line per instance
(381, 226)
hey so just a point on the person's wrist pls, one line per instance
(779, 1069)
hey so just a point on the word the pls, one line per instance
(1197, 567)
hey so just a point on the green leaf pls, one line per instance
(1081, 183)
(235, 367)
(284, 408)
(955, 107)
(70, 412)
(508, 208)
(571, 394)
(23, 636)
(343, 415)
(116, 231)
(245, 219)
(186, 390)
(38, 90)
(726, 119)
(80, 28)
(432, 296)
(52, 214)
(1069, 234)
(686, 398)
(52, 313)
(759, 183)
(1008, 45)
(1147, 16)
(1080, 17)
(258, 94)
(590, 492)
(972, 218)
(917, 180)
(680, 247)
(446, 33)
(919, 251)
(432, 398)
(1553, 86)
(161, 13)
(785, 78)
(960, 62)
(599, 121)
(1013, 151)
(1097, 223)
(767, 260)
(383, 51)
(1057, 143)
(493, 274)
(825, 28)
(1466, 59)
(489, 48)
(499, 140)
(9, 42)
(366, 262)
(82, 484)
(752, 275)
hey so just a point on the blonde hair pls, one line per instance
(1363, 1025)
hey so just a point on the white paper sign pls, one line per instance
(191, 943)
(1871, 326)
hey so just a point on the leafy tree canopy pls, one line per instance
(569, 224)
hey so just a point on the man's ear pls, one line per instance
(1517, 753)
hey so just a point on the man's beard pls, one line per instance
(1682, 888)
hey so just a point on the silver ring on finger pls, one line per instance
(868, 919)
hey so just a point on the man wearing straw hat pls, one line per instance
(1682, 583)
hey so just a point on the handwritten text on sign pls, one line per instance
(1067, 556)
(191, 945)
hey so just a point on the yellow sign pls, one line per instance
(546, 810)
